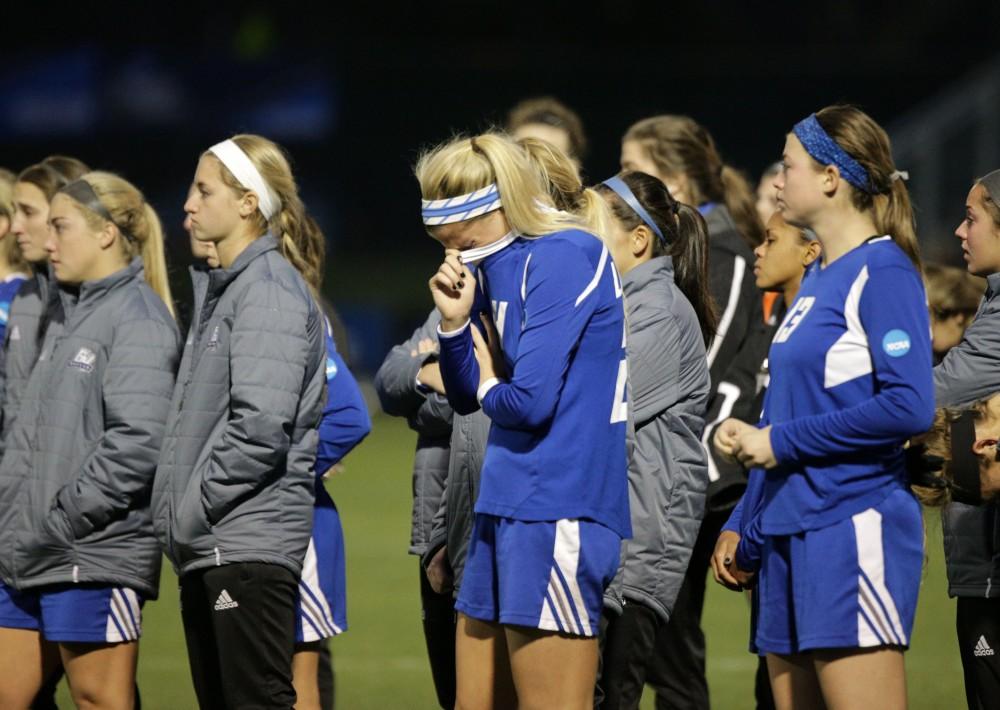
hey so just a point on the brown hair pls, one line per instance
(867, 142)
(686, 236)
(679, 144)
(550, 112)
(52, 173)
(299, 237)
(937, 442)
(952, 291)
(142, 233)
(11, 251)
(990, 205)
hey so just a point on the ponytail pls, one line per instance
(141, 233)
(741, 202)
(565, 188)
(686, 236)
(300, 239)
(679, 145)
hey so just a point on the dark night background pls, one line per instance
(142, 90)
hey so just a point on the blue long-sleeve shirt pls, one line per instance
(556, 448)
(850, 383)
(345, 419)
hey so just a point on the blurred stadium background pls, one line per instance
(354, 90)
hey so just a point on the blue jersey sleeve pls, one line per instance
(345, 419)
(893, 314)
(459, 367)
(559, 300)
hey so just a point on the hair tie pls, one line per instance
(475, 146)
(899, 175)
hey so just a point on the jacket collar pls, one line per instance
(661, 267)
(218, 279)
(719, 220)
(992, 286)
(92, 291)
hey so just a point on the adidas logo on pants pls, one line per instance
(226, 602)
(983, 648)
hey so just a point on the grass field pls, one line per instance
(381, 663)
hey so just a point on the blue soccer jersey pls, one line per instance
(556, 447)
(8, 289)
(850, 383)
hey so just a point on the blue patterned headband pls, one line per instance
(618, 186)
(825, 150)
(462, 207)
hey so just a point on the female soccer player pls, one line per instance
(235, 487)
(79, 552)
(661, 250)
(683, 154)
(552, 507)
(35, 187)
(851, 381)
(968, 373)
(13, 268)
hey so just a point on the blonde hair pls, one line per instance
(11, 251)
(565, 186)
(299, 237)
(132, 215)
(463, 165)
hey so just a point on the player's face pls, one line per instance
(30, 225)
(550, 134)
(636, 157)
(799, 184)
(781, 258)
(767, 198)
(74, 248)
(979, 235)
(947, 332)
(474, 233)
(212, 206)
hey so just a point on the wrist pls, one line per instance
(452, 326)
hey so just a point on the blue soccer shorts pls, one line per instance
(74, 613)
(544, 575)
(853, 584)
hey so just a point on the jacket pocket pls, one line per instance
(191, 532)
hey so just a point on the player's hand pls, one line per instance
(426, 345)
(453, 287)
(727, 436)
(488, 352)
(439, 573)
(723, 558)
(753, 448)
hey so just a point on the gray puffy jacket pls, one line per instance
(21, 341)
(80, 460)
(668, 393)
(235, 480)
(428, 414)
(971, 372)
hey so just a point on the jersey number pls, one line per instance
(619, 411)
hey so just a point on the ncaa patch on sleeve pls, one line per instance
(896, 343)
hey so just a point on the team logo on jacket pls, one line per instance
(896, 343)
(84, 360)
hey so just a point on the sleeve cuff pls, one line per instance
(485, 388)
(453, 333)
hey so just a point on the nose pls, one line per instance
(759, 252)
(961, 231)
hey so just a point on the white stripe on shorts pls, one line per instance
(317, 619)
(564, 594)
(874, 600)
(124, 622)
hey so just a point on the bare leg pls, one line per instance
(101, 676)
(853, 678)
(305, 676)
(482, 666)
(27, 660)
(793, 682)
(552, 670)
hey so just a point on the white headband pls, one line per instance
(247, 175)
